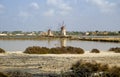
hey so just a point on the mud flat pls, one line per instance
(52, 63)
(102, 39)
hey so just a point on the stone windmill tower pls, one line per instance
(49, 33)
(63, 30)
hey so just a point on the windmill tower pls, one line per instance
(49, 33)
(63, 30)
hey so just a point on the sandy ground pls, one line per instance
(52, 63)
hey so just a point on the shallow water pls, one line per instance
(21, 45)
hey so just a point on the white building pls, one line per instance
(63, 31)
(31, 34)
(43, 34)
(3, 34)
(19, 34)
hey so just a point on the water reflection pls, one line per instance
(49, 42)
(63, 42)
(59, 42)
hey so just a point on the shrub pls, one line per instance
(94, 51)
(75, 50)
(3, 75)
(57, 50)
(2, 51)
(116, 50)
(92, 69)
(36, 50)
(66, 50)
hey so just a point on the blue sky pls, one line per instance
(78, 15)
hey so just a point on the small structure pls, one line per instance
(43, 34)
(19, 34)
(31, 34)
(49, 33)
(63, 31)
(3, 34)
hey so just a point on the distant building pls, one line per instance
(10, 34)
(43, 33)
(31, 34)
(63, 31)
(87, 33)
(19, 34)
(49, 33)
(3, 34)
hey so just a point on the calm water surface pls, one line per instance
(21, 45)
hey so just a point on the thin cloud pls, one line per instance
(63, 13)
(1, 8)
(34, 5)
(104, 5)
(50, 12)
(53, 2)
(23, 14)
(76, 1)
(60, 5)
(65, 7)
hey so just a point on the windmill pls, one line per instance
(61, 26)
(49, 31)
(62, 29)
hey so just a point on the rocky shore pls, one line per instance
(52, 63)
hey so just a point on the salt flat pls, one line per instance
(52, 63)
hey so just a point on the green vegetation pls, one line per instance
(94, 51)
(92, 69)
(116, 50)
(17, 32)
(57, 50)
(2, 51)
